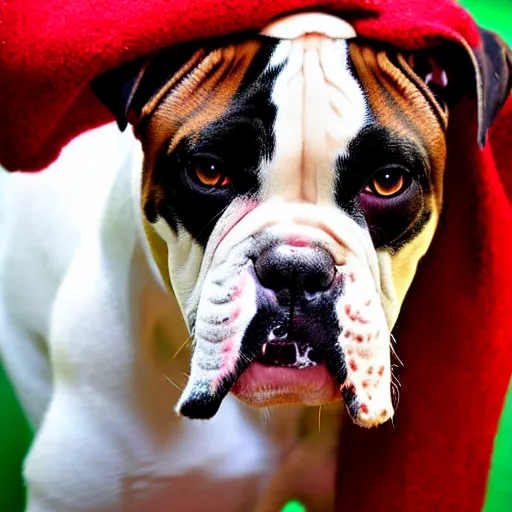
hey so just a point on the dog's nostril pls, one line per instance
(319, 279)
(279, 354)
(296, 270)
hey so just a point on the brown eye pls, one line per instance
(210, 173)
(388, 182)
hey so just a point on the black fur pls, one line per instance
(243, 137)
(238, 141)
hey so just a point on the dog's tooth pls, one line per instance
(264, 349)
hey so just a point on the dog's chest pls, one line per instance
(231, 461)
(226, 459)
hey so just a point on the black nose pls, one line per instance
(295, 271)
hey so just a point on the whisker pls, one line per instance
(188, 340)
(395, 379)
(174, 383)
(266, 415)
(393, 339)
(395, 395)
(395, 383)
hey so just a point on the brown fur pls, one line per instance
(201, 97)
(402, 102)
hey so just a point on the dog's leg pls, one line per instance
(82, 448)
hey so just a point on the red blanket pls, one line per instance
(52, 49)
(455, 332)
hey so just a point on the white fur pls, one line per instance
(81, 303)
(320, 109)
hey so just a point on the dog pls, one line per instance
(249, 245)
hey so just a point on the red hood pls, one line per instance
(454, 335)
(52, 49)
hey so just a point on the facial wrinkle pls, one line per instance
(320, 109)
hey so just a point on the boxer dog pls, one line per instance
(266, 220)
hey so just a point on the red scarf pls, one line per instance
(455, 332)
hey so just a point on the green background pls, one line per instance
(15, 433)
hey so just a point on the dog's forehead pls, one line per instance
(220, 84)
(225, 68)
(320, 109)
(285, 117)
(248, 82)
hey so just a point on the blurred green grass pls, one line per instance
(492, 14)
(15, 436)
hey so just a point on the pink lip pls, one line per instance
(263, 386)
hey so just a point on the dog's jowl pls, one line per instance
(276, 200)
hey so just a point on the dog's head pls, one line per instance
(296, 178)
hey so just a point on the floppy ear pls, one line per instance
(125, 90)
(115, 89)
(492, 60)
(486, 75)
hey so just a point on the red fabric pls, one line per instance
(456, 324)
(53, 48)
(455, 340)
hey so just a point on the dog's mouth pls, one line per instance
(294, 365)
(289, 354)
(273, 340)
(280, 351)
(289, 372)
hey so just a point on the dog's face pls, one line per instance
(296, 183)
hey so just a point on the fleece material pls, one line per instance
(454, 337)
(455, 329)
(51, 50)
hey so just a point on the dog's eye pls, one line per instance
(209, 172)
(388, 182)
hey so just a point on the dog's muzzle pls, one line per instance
(291, 315)
(298, 279)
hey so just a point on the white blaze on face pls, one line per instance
(320, 109)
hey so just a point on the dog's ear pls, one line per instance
(125, 90)
(454, 71)
(115, 89)
(492, 60)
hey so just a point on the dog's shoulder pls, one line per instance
(49, 221)
(45, 216)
